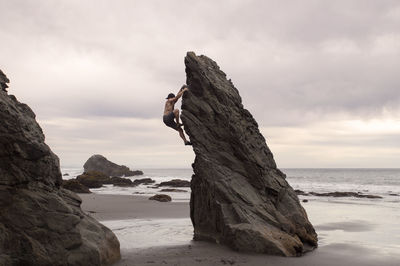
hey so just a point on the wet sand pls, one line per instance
(156, 233)
(119, 207)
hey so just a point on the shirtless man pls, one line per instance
(170, 113)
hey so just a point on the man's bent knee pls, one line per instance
(176, 111)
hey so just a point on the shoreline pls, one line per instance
(160, 233)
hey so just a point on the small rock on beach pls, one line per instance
(161, 198)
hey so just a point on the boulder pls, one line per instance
(75, 186)
(93, 179)
(100, 163)
(161, 198)
(175, 183)
(144, 181)
(40, 222)
(122, 182)
(239, 197)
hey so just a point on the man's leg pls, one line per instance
(176, 114)
(182, 134)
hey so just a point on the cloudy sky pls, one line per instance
(321, 77)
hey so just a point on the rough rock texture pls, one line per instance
(3, 81)
(101, 164)
(75, 186)
(41, 223)
(93, 179)
(239, 197)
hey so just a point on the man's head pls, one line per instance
(171, 95)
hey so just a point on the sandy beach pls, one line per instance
(155, 233)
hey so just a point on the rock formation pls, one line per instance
(41, 223)
(239, 197)
(101, 164)
(75, 186)
(3, 81)
(144, 181)
(175, 183)
(93, 179)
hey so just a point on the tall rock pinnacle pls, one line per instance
(239, 197)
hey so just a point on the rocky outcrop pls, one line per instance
(41, 223)
(93, 179)
(338, 194)
(144, 181)
(172, 190)
(3, 81)
(122, 182)
(175, 183)
(100, 163)
(239, 197)
(75, 186)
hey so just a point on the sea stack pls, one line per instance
(40, 222)
(239, 197)
(100, 163)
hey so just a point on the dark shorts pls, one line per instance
(169, 120)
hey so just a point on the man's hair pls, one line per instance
(171, 95)
(184, 86)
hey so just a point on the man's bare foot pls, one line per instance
(180, 125)
(188, 143)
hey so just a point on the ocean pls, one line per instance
(380, 182)
(341, 223)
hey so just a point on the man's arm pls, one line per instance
(180, 93)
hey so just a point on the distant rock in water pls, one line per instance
(40, 222)
(339, 194)
(75, 186)
(93, 179)
(144, 181)
(101, 164)
(175, 183)
(172, 190)
(239, 198)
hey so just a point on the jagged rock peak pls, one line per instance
(239, 197)
(100, 163)
(41, 223)
(24, 155)
(3, 81)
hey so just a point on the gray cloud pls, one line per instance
(294, 62)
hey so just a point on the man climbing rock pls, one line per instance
(3, 81)
(171, 115)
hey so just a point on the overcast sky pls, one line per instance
(322, 78)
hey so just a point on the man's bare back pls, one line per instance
(169, 106)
